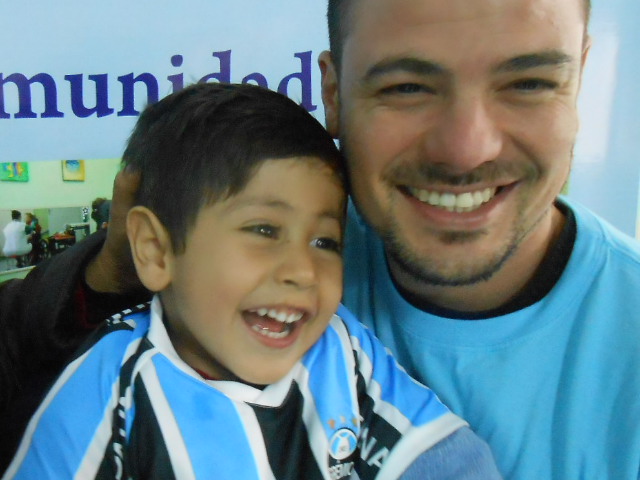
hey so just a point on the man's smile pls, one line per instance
(462, 202)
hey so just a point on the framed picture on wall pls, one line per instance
(73, 170)
(14, 172)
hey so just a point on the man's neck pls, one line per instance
(509, 283)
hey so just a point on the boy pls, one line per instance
(240, 369)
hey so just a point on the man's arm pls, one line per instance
(460, 456)
(112, 269)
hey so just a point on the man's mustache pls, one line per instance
(432, 173)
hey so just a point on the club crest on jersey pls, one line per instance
(342, 444)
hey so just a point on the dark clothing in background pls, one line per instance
(55, 311)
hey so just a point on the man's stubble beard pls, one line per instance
(426, 271)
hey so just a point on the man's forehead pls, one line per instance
(439, 11)
(491, 32)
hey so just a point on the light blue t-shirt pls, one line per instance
(554, 388)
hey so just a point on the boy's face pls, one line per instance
(261, 275)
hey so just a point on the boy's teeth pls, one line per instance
(464, 202)
(282, 317)
(268, 333)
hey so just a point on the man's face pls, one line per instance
(458, 120)
(261, 275)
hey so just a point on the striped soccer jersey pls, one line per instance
(129, 407)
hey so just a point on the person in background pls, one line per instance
(517, 305)
(241, 368)
(100, 211)
(32, 224)
(34, 235)
(16, 242)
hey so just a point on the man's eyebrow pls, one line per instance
(548, 58)
(404, 65)
(430, 68)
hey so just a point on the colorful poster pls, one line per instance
(73, 170)
(14, 172)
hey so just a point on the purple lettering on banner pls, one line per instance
(256, 78)
(177, 80)
(24, 95)
(304, 75)
(132, 83)
(101, 108)
(224, 75)
(128, 92)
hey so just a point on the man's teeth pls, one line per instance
(463, 202)
(281, 317)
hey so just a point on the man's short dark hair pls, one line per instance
(204, 143)
(338, 20)
(15, 215)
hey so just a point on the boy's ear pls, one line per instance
(150, 247)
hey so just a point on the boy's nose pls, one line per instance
(297, 267)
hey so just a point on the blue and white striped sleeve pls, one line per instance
(68, 434)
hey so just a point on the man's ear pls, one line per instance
(330, 96)
(150, 247)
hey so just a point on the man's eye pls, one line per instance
(325, 243)
(264, 230)
(407, 88)
(534, 84)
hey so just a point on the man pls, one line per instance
(16, 242)
(100, 208)
(458, 119)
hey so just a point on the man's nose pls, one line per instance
(296, 266)
(466, 134)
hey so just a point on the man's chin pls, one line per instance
(451, 269)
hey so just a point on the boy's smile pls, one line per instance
(261, 275)
(274, 323)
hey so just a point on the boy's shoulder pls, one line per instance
(130, 318)
(120, 329)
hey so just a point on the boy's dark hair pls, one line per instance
(204, 143)
(339, 21)
(15, 215)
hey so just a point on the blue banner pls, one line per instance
(74, 75)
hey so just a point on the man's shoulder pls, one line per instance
(594, 229)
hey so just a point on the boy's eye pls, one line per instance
(264, 230)
(325, 243)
